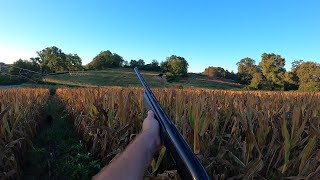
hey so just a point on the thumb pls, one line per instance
(150, 114)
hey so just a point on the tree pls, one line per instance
(52, 59)
(246, 70)
(294, 67)
(106, 59)
(176, 65)
(25, 64)
(273, 69)
(289, 81)
(233, 76)
(215, 72)
(153, 66)
(309, 76)
(126, 64)
(164, 66)
(139, 64)
(257, 81)
(74, 62)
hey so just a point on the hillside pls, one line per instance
(127, 77)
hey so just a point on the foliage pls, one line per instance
(53, 59)
(25, 64)
(176, 65)
(153, 66)
(106, 59)
(11, 80)
(134, 63)
(295, 65)
(272, 66)
(237, 135)
(290, 81)
(57, 152)
(219, 72)
(171, 78)
(257, 81)
(309, 76)
(74, 62)
(20, 112)
(247, 69)
(214, 72)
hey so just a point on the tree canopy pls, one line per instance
(106, 59)
(272, 66)
(246, 69)
(53, 59)
(309, 76)
(175, 65)
(137, 63)
(25, 64)
(214, 72)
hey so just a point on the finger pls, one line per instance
(150, 114)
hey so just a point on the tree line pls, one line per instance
(53, 59)
(268, 74)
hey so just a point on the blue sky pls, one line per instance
(205, 33)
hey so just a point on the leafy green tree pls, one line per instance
(137, 63)
(74, 62)
(175, 65)
(141, 62)
(290, 82)
(155, 63)
(273, 69)
(214, 72)
(294, 67)
(233, 76)
(52, 59)
(126, 64)
(134, 63)
(24, 64)
(309, 76)
(164, 66)
(257, 81)
(153, 66)
(246, 70)
(106, 59)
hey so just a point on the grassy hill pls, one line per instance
(127, 77)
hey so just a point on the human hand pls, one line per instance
(151, 129)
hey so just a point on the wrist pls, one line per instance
(151, 141)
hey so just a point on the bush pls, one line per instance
(13, 80)
(172, 78)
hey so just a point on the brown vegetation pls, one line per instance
(235, 134)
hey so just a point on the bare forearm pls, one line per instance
(133, 162)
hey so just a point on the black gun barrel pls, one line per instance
(188, 165)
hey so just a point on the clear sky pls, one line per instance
(205, 33)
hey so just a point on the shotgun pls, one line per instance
(188, 165)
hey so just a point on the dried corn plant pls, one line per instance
(20, 112)
(236, 134)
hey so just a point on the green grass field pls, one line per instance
(127, 77)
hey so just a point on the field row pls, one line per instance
(235, 134)
(20, 113)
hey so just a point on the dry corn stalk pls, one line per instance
(236, 134)
(20, 112)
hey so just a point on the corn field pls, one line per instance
(237, 135)
(20, 112)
